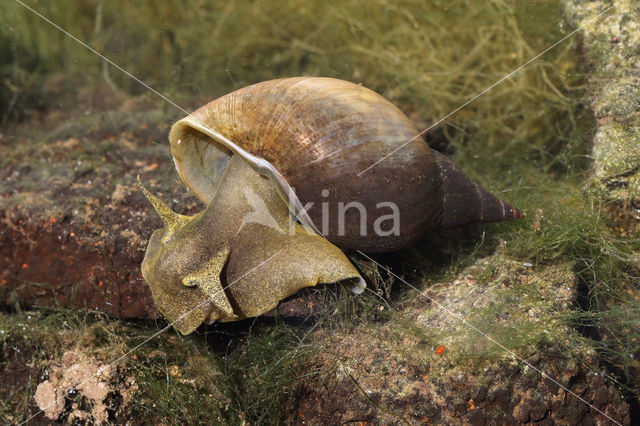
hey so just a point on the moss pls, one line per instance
(27, 341)
(177, 378)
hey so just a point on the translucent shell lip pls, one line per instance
(261, 165)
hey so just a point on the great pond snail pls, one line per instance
(268, 156)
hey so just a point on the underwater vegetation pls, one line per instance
(559, 288)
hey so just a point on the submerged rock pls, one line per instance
(611, 45)
(473, 350)
(73, 224)
(84, 390)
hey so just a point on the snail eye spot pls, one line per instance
(189, 282)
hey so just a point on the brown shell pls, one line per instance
(317, 135)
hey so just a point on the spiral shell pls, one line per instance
(312, 137)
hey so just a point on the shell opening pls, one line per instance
(201, 156)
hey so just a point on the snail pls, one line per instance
(279, 165)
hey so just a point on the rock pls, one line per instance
(73, 225)
(393, 373)
(521, 413)
(611, 44)
(87, 390)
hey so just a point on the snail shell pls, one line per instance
(312, 137)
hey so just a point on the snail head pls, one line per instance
(239, 257)
(183, 271)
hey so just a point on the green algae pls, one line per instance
(415, 53)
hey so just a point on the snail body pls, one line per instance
(313, 137)
(273, 162)
(237, 258)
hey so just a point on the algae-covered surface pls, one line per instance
(532, 321)
(611, 52)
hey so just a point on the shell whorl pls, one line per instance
(311, 135)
